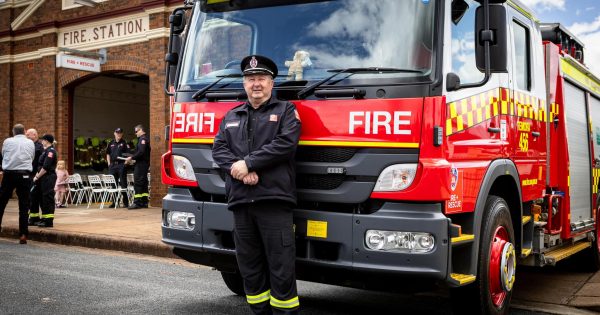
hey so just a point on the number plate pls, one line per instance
(316, 228)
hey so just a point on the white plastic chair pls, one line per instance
(75, 192)
(112, 191)
(97, 193)
(86, 189)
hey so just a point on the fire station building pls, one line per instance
(79, 69)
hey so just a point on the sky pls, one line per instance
(581, 17)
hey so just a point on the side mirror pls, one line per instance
(496, 36)
(177, 21)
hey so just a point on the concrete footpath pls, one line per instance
(556, 290)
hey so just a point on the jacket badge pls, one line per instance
(273, 117)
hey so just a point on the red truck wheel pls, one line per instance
(492, 291)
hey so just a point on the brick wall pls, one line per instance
(38, 95)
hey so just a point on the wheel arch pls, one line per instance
(502, 180)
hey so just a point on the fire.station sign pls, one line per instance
(106, 31)
(78, 63)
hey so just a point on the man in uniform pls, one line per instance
(140, 172)
(116, 166)
(46, 179)
(256, 144)
(17, 156)
(34, 209)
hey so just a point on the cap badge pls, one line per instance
(253, 62)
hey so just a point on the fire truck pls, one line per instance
(443, 142)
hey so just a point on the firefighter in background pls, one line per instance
(34, 199)
(80, 150)
(255, 145)
(140, 172)
(116, 167)
(45, 179)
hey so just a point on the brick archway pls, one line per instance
(67, 77)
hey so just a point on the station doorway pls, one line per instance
(100, 105)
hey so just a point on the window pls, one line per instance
(71, 4)
(463, 46)
(522, 68)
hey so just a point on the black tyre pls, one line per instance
(492, 291)
(233, 280)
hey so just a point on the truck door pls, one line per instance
(527, 125)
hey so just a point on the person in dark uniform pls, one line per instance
(46, 179)
(34, 208)
(17, 156)
(116, 167)
(255, 145)
(140, 172)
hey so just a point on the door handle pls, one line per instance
(493, 130)
(535, 133)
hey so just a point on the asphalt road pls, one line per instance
(41, 278)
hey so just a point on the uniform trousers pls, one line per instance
(266, 256)
(34, 201)
(21, 181)
(140, 184)
(117, 169)
(46, 193)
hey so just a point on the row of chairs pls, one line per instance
(98, 189)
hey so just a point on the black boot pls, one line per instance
(46, 223)
(33, 221)
(135, 206)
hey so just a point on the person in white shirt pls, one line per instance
(17, 158)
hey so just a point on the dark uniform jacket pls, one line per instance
(48, 161)
(142, 152)
(116, 149)
(39, 149)
(268, 146)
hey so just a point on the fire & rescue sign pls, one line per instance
(456, 190)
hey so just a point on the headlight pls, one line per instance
(180, 220)
(183, 168)
(412, 242)
(396, 177)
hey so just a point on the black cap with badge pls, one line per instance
(255, 64)
(48, 137)
(119, 130)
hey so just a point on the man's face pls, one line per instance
(258, 87)
(31, 136)
(118, 136)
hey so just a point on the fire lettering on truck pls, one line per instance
(376, 121)
(193, 122)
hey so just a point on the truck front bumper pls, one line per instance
(342, 251)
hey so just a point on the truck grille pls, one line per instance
(311, 181)
(324, 154)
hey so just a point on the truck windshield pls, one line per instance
(307, 39)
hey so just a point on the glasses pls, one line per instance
(136, 130)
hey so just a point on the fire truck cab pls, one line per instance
(442, 141)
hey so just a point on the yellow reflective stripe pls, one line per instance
(34, 215)
(291, 303)
(259, 298)
(47, 216)
(145, 195)
(138, 195)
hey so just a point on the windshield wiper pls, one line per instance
(309, 89)
(200, 94)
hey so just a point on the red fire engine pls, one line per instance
(442, 141)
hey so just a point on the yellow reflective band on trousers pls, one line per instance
(141, 195)
(291, 303)
(47, 216)
(34, 215)
(259, 298)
